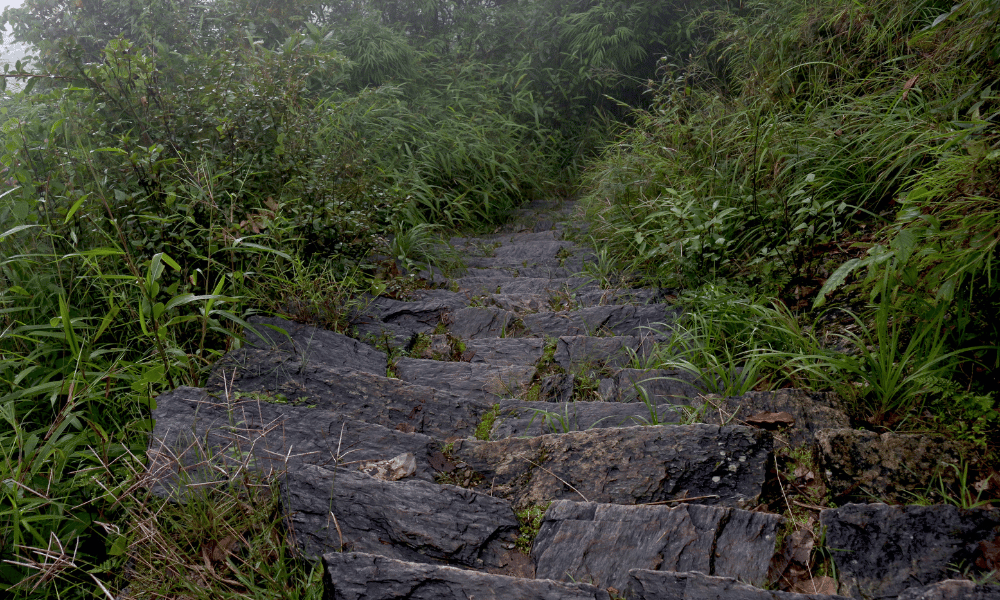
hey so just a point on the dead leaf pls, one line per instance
(989, 558)
(439, 462)
(770, 420)
(909, 84)
(218, 551)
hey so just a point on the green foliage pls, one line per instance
(805, 147)
(485, 426)
(530, 520)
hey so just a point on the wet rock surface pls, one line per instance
(883, 550)
(888, 465)
(419, 455)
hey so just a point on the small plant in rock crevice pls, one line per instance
(530, 520)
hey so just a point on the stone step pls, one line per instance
(589, 353)
(518, 418)
(600, 543)
(541, 286)
(488, 322)
(536, 250)
(353, 394)
(475, 381)
(309, 345)
(523, 304)
(656, 386)
(201, 440)
(880, 550)
(356, 576)
(646, 320)
(341, 510)
(494, 351)
(645, 584)
(570, 268)
(631, 465)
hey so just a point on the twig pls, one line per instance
(559, 478)
(809, 506)
(678, 500)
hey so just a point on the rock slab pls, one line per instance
(887, 465)
(882, 550)
(599, 543)
(661, 585)
(631, 465)
(356, 576)
(310, 345)
(418, 521)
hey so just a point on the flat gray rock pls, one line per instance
(573, 351)
(952, 589)
(505, 351)
(475, 381)
(599, 543)
(421, 316)
(664, 585)
(376, 399)
(310, 345)
(489, 322)
(632, 465)
(518, 418)
(521, 303)
(888, 465)
(882, 550)
(355, 576)
(408, 520)
(602, 320)
(200, 439)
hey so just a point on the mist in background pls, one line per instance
(9, 52)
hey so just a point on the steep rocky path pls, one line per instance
(415, 458)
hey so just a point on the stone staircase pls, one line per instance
(516, 392)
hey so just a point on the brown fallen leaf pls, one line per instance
(439, 462)
(989, 555)
(908, 85)
(770, 420)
